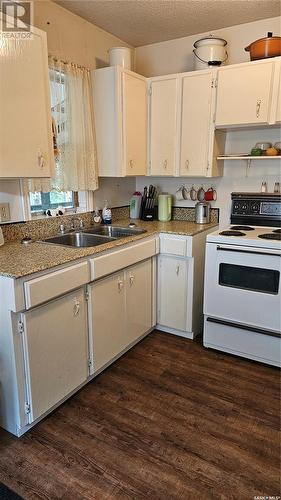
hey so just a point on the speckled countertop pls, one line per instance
(18, 260)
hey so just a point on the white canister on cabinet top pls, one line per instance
(120, 56)
(209, 51)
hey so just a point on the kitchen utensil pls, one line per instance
(201, 194)
(271, 152)
(147, 211)
(179, 194)
(210, 194)
(202, 213)
(209, 51)
(185, 193)
(263, 145)
(277, 187)
(193, 194)
(262, 48)
(164, 207)
(256, 152)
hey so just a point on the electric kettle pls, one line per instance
(202, 212)
(164, 207)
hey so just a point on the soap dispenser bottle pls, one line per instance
(106, 214)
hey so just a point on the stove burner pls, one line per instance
(270, 236)
(232, 233)
(278, 231)
(242, 228)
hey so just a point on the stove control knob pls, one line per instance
(255, 208)
(244, 207)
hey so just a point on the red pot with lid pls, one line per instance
(263, 48)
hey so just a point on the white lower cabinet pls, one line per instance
(175, 292)
(55, 349)
(120, 308)
(180, 283)
(139, 300)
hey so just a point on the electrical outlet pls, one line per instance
(4, 212)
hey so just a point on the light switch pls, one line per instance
(4, 212)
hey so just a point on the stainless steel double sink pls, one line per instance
(94, 236)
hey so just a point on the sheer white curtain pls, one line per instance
(72, 112)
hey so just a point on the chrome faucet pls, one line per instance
(81, 223)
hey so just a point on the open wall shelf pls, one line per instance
(248, 157)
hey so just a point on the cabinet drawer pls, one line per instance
(52, 285)
(176, 245)
(109, 263)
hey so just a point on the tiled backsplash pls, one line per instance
(49, 226)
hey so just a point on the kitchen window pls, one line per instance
(75, 164)
(41, 202)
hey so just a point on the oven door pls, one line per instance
(242, 285)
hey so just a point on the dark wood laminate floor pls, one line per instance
(169, 420)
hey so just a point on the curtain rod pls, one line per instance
(68, 62)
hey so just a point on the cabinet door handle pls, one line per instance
(76, 307)
(177, 270)
(165, 163)
(258, 108)
(187, 164)
(40, 159)
(120, 285)
(132, 279)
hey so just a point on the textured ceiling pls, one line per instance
(141, 22)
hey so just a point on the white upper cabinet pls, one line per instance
(276, 104)
(25, 118)
(244, 94)
(120, 107)
(163, 125)
(196, 131)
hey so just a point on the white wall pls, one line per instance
(9, 193)
(175, 56)
(234, 178)
(116, 191)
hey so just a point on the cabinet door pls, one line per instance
(175, 291)
(244, 94)
(197, 95)
(107, 321)
(25, 118)
(162, 136)
(138, 299)
(278, 110)
(134, 97)
(55, 342)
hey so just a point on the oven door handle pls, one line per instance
(248, 328)
(254, 252)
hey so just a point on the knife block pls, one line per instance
(148, 214)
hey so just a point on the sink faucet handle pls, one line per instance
(81, 224)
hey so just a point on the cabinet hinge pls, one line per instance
(150, 90)
(26, 408)
(89, 362)
(87, 295)
(212, 83)
(20, 327)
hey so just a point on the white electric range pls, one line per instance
(242, 297)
